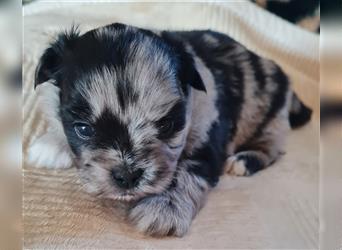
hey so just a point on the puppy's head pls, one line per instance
(123, 103)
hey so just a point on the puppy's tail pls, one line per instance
(299, 113)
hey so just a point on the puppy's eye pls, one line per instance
(84, 130)
(166, 128)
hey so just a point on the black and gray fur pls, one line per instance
(154, 118)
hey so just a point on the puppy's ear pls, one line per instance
(51, 61)
(47, 66)
(187, 71)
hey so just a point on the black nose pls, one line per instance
(127, 179)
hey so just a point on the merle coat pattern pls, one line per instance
(154, 118)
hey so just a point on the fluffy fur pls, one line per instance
(154, 118)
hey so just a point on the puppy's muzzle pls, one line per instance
(126, 179)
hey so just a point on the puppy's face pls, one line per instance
(123, 108)
(126, 128)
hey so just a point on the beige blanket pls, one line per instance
(277, 208)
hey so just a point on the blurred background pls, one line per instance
(331, 125)
(10, 124)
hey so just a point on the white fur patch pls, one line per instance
(236, 167)
(51, 150)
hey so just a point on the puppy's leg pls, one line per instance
(260, 152)
(51, 150)
(171, 212)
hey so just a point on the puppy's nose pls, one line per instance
(127, 179)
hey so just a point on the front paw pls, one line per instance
(161, 216)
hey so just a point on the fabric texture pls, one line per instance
(277, 208)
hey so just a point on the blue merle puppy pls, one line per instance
(153, 118)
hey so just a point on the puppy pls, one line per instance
(152, 119)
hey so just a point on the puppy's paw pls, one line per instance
(44, 154)
(245, 163)
(236, 167)
(161, 216)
